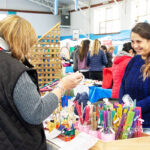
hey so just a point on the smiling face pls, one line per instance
(139, 44)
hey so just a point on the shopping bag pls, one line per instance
(107, 78)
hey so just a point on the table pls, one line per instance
(95, 93)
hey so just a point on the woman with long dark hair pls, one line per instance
(80, 56)
(136, 80)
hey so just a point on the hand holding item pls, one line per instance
(67, 83)
(71, 81)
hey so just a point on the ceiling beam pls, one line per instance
(55, 5)
(44, 3)
(81, 3)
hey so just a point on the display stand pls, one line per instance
(45, 56)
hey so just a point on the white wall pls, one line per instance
(82, 20)
(79, 21)
(125, 15)
(86, 23)
(41, 22)
(22, 5)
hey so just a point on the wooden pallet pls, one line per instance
(45, 56)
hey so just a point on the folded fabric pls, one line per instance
(96, 93)
(81, 98)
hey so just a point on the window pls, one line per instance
(140, 11)
(107, 19)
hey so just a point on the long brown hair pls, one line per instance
(19, 34)
(143, 30)
(84, 49)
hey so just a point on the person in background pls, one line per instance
(80, 58)
(132, 52)
(136, 79)
(108, 55)
(96, 61)
(119, 65)
(111, 49)
(75, 57)
(75, 48)
(104, 48)
(22, 108)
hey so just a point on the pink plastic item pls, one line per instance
(93, 133)
(99, 135)
(107, 137)
(86, 128)
(81, 128)
(66, 64)
(76, 125)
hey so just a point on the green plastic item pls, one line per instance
(105, 107)
(113, 114)
(70, 132)
(101, 117)
(128, 124)
(71, 49)
(134, 103)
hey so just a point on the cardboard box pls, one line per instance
(140, 143)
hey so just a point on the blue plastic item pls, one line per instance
(96, 93)
(68, 69)
(64, 100)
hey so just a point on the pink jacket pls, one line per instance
(82, 64)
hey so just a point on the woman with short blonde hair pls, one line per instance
(19, 34)
(22, 109)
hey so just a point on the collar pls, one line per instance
(26, 63)
(3, 44)
(5, 48)
(122, 53)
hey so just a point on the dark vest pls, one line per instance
(15, 133)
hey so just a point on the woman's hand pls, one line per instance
(71, 81)
(67, 83)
